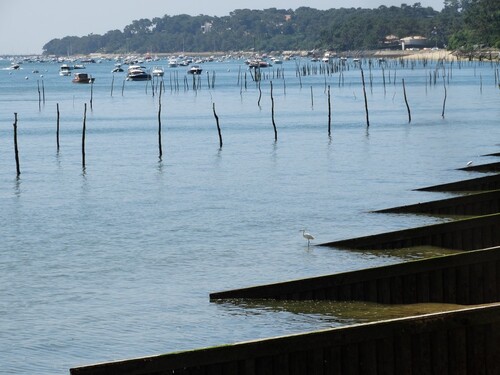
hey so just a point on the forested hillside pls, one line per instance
(461, 24)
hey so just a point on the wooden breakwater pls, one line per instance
(483, 203)
(465, 234)
(491, 167)
(474, 184)
(457, 342)
(465, 278)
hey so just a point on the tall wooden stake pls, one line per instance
(406, 101)
(218, 126)
(39, 97)
(444, 101)
(91, 93)
(160, 151)
(83, 134)
(57, 130)
(272, 113)
(16, 150)
(329, 113)
(366, 101)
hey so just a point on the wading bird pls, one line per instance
(307, 236)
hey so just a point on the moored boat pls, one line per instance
(195, 69)
(83, 78)
(137, 73)
(117, 69)
(157, 71)
(65, 70)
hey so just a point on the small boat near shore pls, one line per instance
(83, 78)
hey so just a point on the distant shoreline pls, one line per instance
(428, 54)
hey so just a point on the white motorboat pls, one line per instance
(157, 71)
(137, 73)
(65, 70)
(195, 69)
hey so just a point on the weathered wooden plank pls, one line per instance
(403, 354)
(439, 352)
(457, 351)
(421, 354)
(436, 285)
(385, 356)
(368, 358)
(476, 349)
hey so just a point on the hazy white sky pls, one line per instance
(26, 25)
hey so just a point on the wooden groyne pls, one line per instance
(465, 278)
(466, 234)
(476, 184)
(491, 167)
(483, 203)
(457, 342)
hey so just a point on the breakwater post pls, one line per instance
(366, 101)
(83, 134)
(272, 114)
(329, 113)
(218, 126)
(16, 149)
(444, 100)
(160, 152)
(39, 95)
(57, 129)
(406, 101)
(91, 93)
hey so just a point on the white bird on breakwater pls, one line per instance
(469, 163)
(307, 236)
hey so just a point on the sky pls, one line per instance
(26, 25)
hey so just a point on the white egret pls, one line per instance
(469, 163)
(307, 236)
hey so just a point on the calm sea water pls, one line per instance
(117, 259)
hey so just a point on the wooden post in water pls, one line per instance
(444, 100)
(406, 101)
(16, 150)
(112, 84)
(91, 93)
(83, 134)
(57, 130)
(39, 97)
(383, 79)
(329, 113)
(160, 152)
(123, 86)
(43, 92)
(312, 98)
(272, 113)
(366, 101)
(260, 93)
(218, 126)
